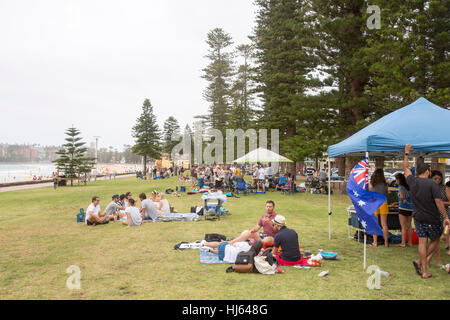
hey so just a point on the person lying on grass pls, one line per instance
(228, 250)
(134, 217)
(94, 215)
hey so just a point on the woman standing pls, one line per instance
(404, 209)
(378, 184)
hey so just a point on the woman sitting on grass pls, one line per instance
(134, 217)
(164, 206)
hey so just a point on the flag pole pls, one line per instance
(329, 199)
(365, 233)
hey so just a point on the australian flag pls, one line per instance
(365, 202)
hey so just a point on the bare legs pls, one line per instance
(384, 225)
(405, 222)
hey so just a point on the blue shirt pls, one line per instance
(401, 205)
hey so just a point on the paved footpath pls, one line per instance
(50, 184)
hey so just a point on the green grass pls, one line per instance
(40, 239)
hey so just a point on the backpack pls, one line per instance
(214, 237)
(169, 191)
(245, 260)
(197, 210)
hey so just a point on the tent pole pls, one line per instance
(329, 199)
(365, 234)
(365, 245)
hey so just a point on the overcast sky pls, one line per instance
(92, 63)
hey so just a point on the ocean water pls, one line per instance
(12, 172)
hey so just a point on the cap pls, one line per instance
(115, 196)
(279, 220)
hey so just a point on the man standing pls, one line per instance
(427, 207)
(265, 222)
(262, 178)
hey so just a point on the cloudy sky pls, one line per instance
(91, 64)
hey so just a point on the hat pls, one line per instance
(115, 196)
(279, 220)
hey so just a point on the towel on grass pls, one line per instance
(210, 258)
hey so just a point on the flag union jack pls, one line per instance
(360, 173)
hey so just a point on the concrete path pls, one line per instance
(50, 184)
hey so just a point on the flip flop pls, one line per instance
(416, 266)
(431, 276)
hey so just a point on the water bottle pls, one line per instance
(384, 273)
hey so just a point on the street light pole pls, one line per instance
(96, 147)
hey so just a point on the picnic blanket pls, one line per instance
(210, 258)
(178, 217)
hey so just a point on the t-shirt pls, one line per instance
(111, 208)
(423, 192)
(165, 208)
(380, 188)
(94, 209)
(261, 174)
(267, 226)
(401, 205)
(288, 240)
(135, 216)
(237, 171)
(269, 171)
(231, 251)
(150, 209)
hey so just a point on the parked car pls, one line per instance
(390, 179)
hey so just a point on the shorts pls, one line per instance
(403, 212)
(221, 250)
(384, 209)
(261, 180)
(432, 231)
(91, 223)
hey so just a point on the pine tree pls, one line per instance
(72, 156)
(284, 40)
(218, 74)
(243, 91)
(147, 135)
(171, 128)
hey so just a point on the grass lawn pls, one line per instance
(40, 239)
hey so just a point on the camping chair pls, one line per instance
(289, 187)
(281, 183)
(241, 186)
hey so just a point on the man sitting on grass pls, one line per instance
(114, 208)
(93, 214)
(287, 239)
(134, 218)
(265, 222)
(228, 250)
(148, 208)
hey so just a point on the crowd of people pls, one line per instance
(423, 198)
(123, 208)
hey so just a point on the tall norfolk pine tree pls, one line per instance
(147, 135)
(218, 74)
(72, 156)
(171, 127)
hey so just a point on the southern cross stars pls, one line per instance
(356, 194)
(361, 203)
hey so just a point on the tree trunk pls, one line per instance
(144, 173)
(435, 165)
(340, 164)
(379, 163)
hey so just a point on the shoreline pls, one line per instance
(23, 185)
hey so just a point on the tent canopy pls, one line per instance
(422, 124)
(262, 155)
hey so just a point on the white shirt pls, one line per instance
(165, 208)
(92, 210)
(135, 216)
(269, 171)
(262, 174)
(231, 251)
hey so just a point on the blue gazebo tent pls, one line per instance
(422, 124)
